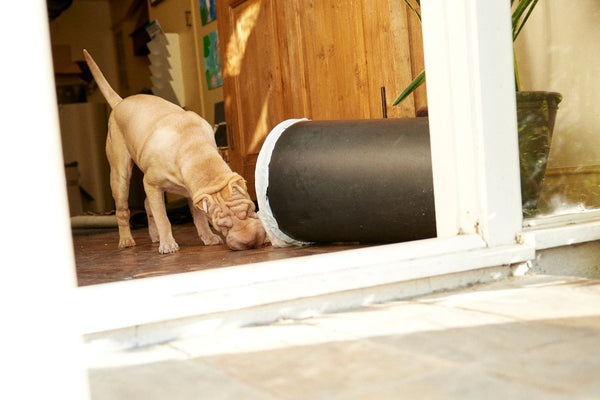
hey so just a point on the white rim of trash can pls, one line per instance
(261, 181)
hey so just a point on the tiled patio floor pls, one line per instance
(534, 337)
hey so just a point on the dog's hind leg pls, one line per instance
(151, 223)
(207, 236)
(120, 174)
(156, 203)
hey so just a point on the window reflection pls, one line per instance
(558, 52)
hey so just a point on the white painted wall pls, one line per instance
(559, 50)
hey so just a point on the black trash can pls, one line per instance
(367, 181)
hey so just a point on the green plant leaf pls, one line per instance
(418, 81)
(516, 15)
(521, 8)
(520, 15)
(515, 34)
(409, 4)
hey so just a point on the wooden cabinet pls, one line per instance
(319, 59)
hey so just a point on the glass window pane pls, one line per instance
(557, 51)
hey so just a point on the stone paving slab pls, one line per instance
(534, 337)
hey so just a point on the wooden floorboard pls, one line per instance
(99, 260)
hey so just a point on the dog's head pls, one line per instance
(233, 214)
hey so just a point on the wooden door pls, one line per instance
(325, 59)
(251, 78)
(346, 51)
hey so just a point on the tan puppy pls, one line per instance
(176, 151)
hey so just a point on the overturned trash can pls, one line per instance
(367, 181)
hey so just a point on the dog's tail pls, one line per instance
(109, 94)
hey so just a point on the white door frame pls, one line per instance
(468, 56)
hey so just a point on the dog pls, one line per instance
(176, 151)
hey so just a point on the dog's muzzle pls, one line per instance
(250, 236)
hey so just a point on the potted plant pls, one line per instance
(536, 113)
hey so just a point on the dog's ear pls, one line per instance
(241, 190)
(203, 203)
(238, 184)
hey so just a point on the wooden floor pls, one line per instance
(99, 260)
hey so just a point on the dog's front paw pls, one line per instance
(168, 247)
(126, 242)
(212, 240)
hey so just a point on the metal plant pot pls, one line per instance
(536, 113)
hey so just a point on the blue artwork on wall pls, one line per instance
(208, 11)
(212, 61)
